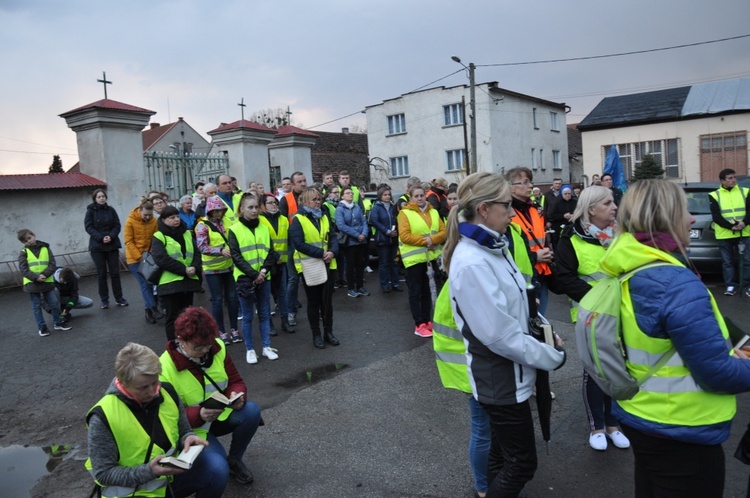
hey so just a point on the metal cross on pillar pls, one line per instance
(242, 107)
(288, 116)
(104, 82)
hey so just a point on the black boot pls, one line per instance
(285, 325)
(273, 332)
(158, 315)
(331, 339)
(150, 318)
(318, 341)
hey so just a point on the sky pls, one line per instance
(327, 59)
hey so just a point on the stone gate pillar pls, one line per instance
(291, 151)
(246, 145)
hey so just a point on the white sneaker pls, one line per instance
(368, 269)
(251, 357)
(619, 439)
(270, 353)
(598, 441)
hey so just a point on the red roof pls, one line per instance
(45, 181)
(293, 130)
(152, 135)
(242, 123)
(108, 104)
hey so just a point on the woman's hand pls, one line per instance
(226, 252)
(361, 237)
(194, 440)
(163, 470)
(210, 414)
(190, 271)
(544, 255)
(428, 241)
(107, 239)
(260, 278)
(328, 256)
(238, 403)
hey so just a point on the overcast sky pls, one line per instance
(330, 58)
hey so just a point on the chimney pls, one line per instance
(345, 131)
(155, 125)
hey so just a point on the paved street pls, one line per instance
(368, 418)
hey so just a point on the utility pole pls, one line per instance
(473, 106)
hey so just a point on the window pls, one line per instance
(541, 159)
(454, 114)
(720, 151)
(553, 121)
(533, 115)
(399, 166)
(533, 159)
(665, 152)
(455, 159)
(396, 124)
(556, 161)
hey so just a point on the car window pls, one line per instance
(697, 202)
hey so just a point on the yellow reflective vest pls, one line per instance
(448, 343)
(37, 265)
(214, 262)
(133, 442)
(174, 251)
(280, 239)
(254, 247)
(313, 237)
(589, 256)
(520, 254)
(732, 206)
(412, 255)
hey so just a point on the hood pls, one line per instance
(626, 254)
(214, 203)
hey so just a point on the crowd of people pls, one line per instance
(486, 252)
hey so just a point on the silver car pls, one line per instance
(704, 249)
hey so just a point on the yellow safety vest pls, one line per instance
(214, 262)
(174, 251)
(190, 390)
(412, 255)
(37, 265)
(230, 216)
(448, 343)
(732, 207)
(589, 256)
(520, 254)
(313, 237)
(254, 247)
(280, 239)
(133, 441)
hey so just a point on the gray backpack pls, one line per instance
(599, 338)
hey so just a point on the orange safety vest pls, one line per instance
(534, 231)
(291, 204)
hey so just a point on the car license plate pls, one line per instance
(695, 234)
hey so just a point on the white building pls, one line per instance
(422, 134)
(693, 131)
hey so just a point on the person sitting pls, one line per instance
(124, 459)
(196, 363)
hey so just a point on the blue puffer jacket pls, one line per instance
(383, 217)
(670, 302)
(351, 221)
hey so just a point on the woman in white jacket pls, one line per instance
(488, 298)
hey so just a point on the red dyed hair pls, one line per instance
(196, 326)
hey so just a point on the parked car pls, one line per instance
(704, 249)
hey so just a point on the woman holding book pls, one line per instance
(196, 363)
(136, 397)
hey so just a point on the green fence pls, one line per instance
(176, 174)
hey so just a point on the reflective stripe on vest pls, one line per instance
(313, 237)
(213, 262)
(589, 256)
(280, 239)
(254, 247)
(732, 206)
(133, 441)
(191, 391)
(520, 254)
(450, 350)
(534, 232)
(174, 251)
(412, 255)
(37, 265)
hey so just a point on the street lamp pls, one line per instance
(473, 107)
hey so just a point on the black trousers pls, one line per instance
(356, 260)
(673, 469)
(173, 305)
(512, 461)
(108, 261)
(420, 300)
(320, 305)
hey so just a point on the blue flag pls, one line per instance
(613, 166)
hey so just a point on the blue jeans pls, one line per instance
(292, 285)
(147, 292)
(208, 477)
(479, 444)
(242, 424)
(36, 305)
(262, 299)
(387, 268)
(727, 248)
(598, 405)
(221, 285)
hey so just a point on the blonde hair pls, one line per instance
(473, 191)
(655, 206)
(308, 194)
(589, 198)
(134, 360)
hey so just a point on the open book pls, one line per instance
(738, 336)
(185, 459)
(218, 400)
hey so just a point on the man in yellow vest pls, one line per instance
(729, 211)
(229, 198)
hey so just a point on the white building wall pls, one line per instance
(688, 131)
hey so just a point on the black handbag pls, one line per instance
(342, 238)
(148, 269)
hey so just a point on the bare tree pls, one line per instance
(273, 118)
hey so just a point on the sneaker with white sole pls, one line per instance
(292, 319)
(225, 338)
(44, 331)
(731, 291)
(234, 336)
(423, 331)
(598, 441)
(619, 439)
(270, 353)
(368, 269)
(251, 357)
(62, 326)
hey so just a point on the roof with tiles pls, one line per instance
(293, 130)
(108, 104)
(46, 181)
(637, 108)
(242, 123)
(152, 135)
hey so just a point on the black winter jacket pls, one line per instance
(102, 220)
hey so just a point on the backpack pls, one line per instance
(599, 338)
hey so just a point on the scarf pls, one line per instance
(316, 212)
(176, 233)
(659, 240)
(603, 235)
(251, 224)
(482, 235)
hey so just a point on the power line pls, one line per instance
(43, 153)
(334, 120)
(614, 55)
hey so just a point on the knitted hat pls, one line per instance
(215, 203)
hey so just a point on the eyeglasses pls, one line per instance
(525, 181)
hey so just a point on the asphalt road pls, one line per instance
(367, 418)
